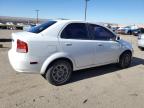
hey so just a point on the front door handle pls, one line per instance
(68, 44)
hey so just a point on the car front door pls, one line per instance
(106, 48)
(76, 42)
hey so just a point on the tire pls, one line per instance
(59, 72)
(125, 60)
(129, 32)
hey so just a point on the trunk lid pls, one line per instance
(23, 36)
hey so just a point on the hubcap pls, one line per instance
(60, 73)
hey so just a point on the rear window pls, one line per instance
(40, 28)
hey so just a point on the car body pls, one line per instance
(127, 30)
(141, 41)
(62, 46)
(120, 30)
(138, 31)
(27, 27)
(114, 29)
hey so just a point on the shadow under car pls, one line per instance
(97, 71)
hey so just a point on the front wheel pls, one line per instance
(59, 72)
(125, 60)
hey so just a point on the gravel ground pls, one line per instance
(101, 87)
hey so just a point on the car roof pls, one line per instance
(76, 21)
(80, 21)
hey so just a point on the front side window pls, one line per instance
(100, 33)
(40, 28)
(75, 31)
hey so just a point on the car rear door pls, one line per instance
(76, 42)
(106, 48)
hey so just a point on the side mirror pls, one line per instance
(118, 38)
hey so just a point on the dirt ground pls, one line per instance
(101, 87)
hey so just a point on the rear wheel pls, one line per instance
(59, 72)
(125, 60)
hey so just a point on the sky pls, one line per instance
(112, 11)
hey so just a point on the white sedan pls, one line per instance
(141, 41)
(56, 48)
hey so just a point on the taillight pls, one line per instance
(22, 46)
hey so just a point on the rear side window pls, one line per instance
(100, 33)
(40, 28)
(75, 31)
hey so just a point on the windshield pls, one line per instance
(128, 27)
(40, 28)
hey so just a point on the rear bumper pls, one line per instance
(21, 63)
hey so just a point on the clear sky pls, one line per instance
(115, 11)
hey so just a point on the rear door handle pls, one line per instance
(68, 44)
(100, 45)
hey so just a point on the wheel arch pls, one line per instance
(55, 58)
(126, 51)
